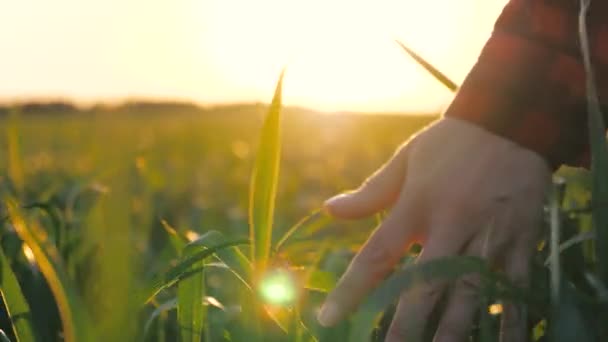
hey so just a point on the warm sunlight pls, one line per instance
(340, 54)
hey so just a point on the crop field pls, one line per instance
(99, 185)
(138, 223)
(165, 221)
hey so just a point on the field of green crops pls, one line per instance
(152, 223)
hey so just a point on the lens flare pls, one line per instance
(278, 287)
(495, 309)
(29, 254)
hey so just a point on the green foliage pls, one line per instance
(190, 295)
(3, 337)
(599, 151)
(97, 192)
(264, 182)
(16, 305)
(71, 309)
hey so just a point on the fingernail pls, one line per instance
(335, 199)
(329, 314)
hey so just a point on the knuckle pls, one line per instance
(377, 260)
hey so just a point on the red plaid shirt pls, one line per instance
(528, 84)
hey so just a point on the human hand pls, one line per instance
(456, 189)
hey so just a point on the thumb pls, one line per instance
(377, 193)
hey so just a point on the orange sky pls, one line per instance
(340, 54)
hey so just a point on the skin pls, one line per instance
(458, 190)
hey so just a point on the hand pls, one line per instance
(456, 189)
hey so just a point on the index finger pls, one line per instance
(375, 260)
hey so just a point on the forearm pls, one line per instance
(528, 84)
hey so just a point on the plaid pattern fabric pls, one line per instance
(528, 84)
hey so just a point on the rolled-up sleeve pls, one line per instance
(528, 84)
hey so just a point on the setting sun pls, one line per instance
(340, 55)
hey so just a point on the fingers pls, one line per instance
(505, 235)
(376, 259)
(463, 301)
(460, 311)
(416, 305)
(514, 317)
(377, 193)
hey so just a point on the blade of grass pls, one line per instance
(599, 151)
(71, 309)
(441, 77)
(264, 180)
(183, 268)
(164, 307)
(15, 303)
(294, 229)
(3, 337)
(191, 313)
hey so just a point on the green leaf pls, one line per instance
(441, 77)
(3, 337)
(184, 269)
(164, 307)
(291, 233)
(321, 281)
(14, 301)
(71, 309)
(568, 322)
(264, 181)
(232, 257)
(55, 216)
(599, 151)
(190, 293)
(178, 242)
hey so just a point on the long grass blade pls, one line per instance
(264, 183)
(15, 303)
(294, 229)
(183, 268)
(441, 77)
(164, 307)
(599, 151)
(191, 312)
(71, 309)
(3, 337)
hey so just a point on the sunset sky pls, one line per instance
(340, 55)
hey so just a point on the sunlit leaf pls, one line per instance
(441, 77)
(264, 182)
(71, 309)
(184, 269)
(15, 303)
(321, 281)
(190, 293)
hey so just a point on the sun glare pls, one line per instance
(278, 288)
(342, 54)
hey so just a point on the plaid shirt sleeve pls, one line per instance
(528, 84)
